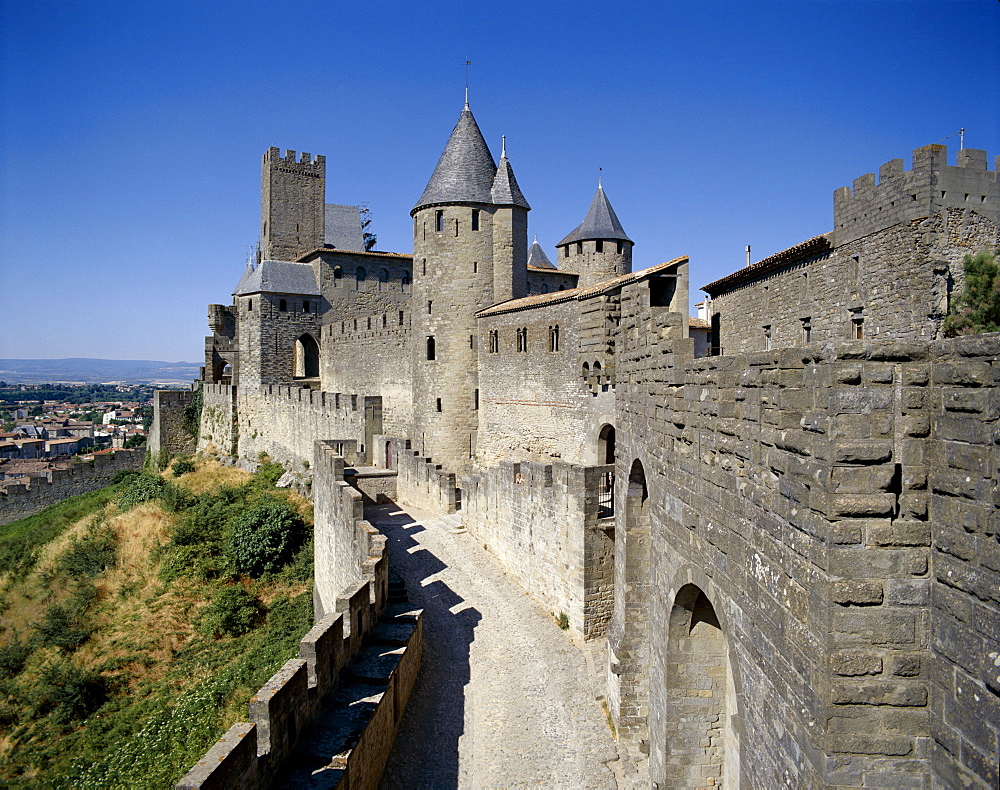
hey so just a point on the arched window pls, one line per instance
(439, 220)
(404, 282)
(361, 274)
(554, 338)
(606, 445)
(494, 341)
(383, 276)
(306, 357)
(522, 339)
(430, 348)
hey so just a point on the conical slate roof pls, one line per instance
(601, 222)
(505, 191)
(537, 256)
(465, 171)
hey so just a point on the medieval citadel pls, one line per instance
(789, 544)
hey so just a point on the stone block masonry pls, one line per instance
(18, 501)
(168, 430)
(828, 513)
(283, 422)
(542, 521)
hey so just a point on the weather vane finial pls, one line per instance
(600, 178)
(467, 64)
(503, 146)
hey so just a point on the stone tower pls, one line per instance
(292, 197)
(598, 248)
(470, 248)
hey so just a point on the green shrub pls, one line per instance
(268, 474)
(141, 489)
(183, 466)
(563, 621)
(63, 627)
(233, 612)
(123, 475)
(91, 554)
(69, 692)
(977, 308)
(265, 538)
(13, 656)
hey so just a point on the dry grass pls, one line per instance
(210, 475)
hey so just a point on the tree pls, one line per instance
(977, 308)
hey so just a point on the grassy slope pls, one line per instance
(146, 693)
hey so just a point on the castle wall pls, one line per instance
(594, 265)
(19, 501)
(542, 523)
(894, 282)
(167, 431)
(293, 204)
(796, 490)
(549, 281)
(283, 422)
(535, 404)
(366, 334)
(268, 334)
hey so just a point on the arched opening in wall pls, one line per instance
(701, 701)
(628, 636)
(306, 358)
(606, 445)
(390, 458)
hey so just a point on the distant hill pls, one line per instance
(78, 370)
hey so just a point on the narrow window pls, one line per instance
(306, 306)
(439, 220)
(404, 281)
(249, 305)
(858, 328)
(355, 324)
(475, 267)
(599, 245)
(439, 404)
(430, 348)
(566, 251)
(579, 248)
(385, 320)
(475, 400)
(475, 219)
(767, 338)
(343, 327)
(338, 273)
(554, 338)
(400, 317)
(856, 267)
(472, 341)
(805, 285)
(369, 323)
(383, 276)
(621, 247)
(423, 263)
(494, 341)
(282, 305)
(806, 329)
(430, 306)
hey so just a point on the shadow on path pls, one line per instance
(425, 754)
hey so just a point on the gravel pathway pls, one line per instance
(504, 697)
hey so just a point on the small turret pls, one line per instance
(537, 259)
(598, 248)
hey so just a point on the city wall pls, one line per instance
(420, 482)
(824, 519)
(283, 422)
(168, 431)
(20, 501)
(542, 522)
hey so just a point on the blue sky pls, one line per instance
(131, 133)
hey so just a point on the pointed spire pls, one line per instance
(465, 171)
(537, 257)
(601, 222)
(505, 191)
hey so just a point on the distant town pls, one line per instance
(46, 427)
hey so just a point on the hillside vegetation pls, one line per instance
(137, 621)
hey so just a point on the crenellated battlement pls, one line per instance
(304, 160)
(900, 195)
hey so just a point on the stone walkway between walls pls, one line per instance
(504, 697)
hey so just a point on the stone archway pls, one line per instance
(628, 633)
(306, 358)
(606, 444)
(699, 742)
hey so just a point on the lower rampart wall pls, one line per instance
(283, 422)
(168, 431)
(20, 501)
(420, 483)
(541, 521)
(356, 640)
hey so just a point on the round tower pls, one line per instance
(598, 249)
(469, 252)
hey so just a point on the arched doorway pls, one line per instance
(606, 445)
(306, 358)
(701, 701)
(628, 633)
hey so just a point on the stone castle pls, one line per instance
(790, 545)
